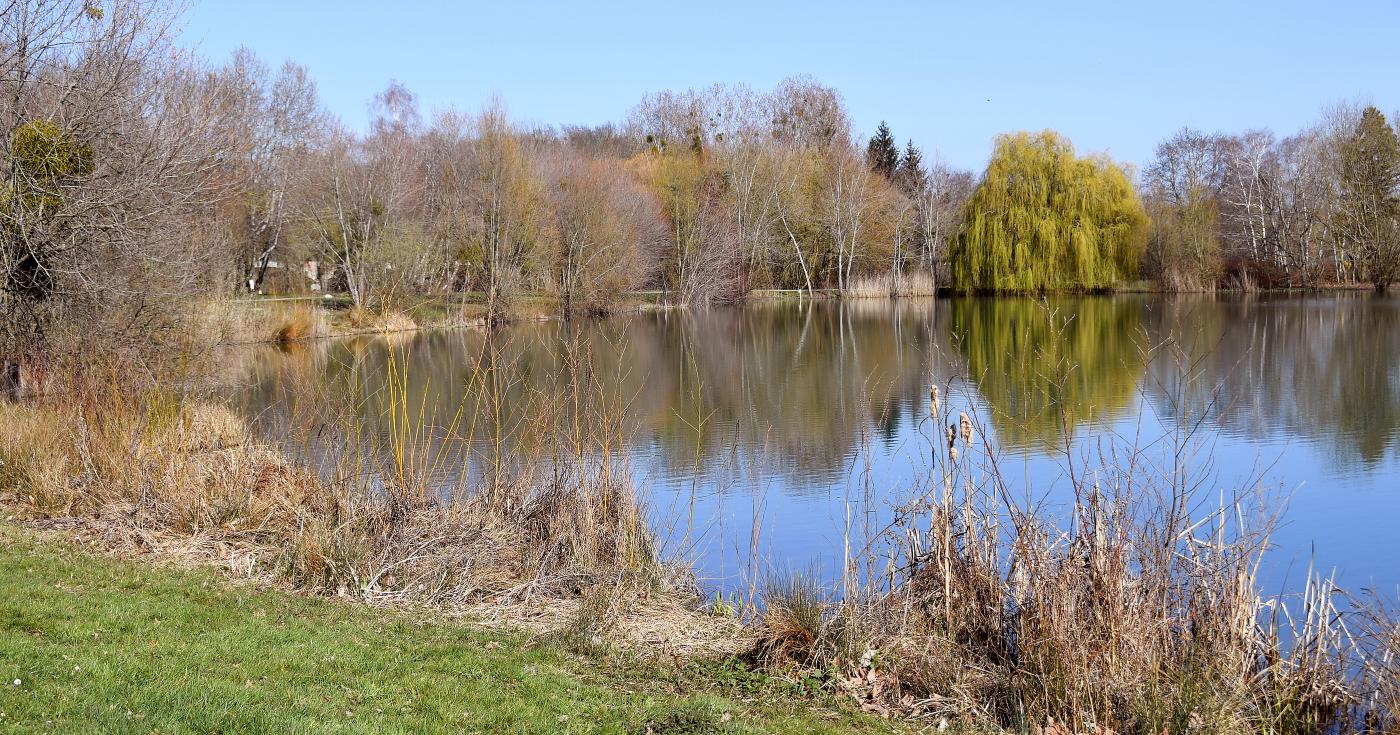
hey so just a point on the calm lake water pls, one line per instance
(787, 412)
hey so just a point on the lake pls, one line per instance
(761, 428)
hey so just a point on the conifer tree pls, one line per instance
(1370, 200)
(1044, 219)
(910, 175)
(881, 153)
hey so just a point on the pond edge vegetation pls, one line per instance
(158, 184)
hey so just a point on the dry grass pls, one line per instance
(887, 285)
(296, 323)
(793, 622)
(1137, 609)
(362, 319)
(1378, 633)
(184, 475)
(290, 323)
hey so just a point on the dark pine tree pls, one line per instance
(910, 175)
(881, 154)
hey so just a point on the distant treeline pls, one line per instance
(136, 175)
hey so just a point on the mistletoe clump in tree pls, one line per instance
(1044, 219)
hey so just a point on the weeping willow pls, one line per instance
(1043, 219)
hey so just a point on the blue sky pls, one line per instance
(1114, 76)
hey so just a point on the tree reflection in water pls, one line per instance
(791, 397)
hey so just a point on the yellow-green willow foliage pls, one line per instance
(1046, 368)
(1044, 219)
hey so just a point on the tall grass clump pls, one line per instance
(1133, 606)
(794, 620)
(364, 319)
(296, 323)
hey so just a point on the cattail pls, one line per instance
(953, 453)
(933, 399)
(965, 428)
(952, 435)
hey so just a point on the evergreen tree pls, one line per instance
(910, 175)
(1044, 219)
(881, 154)
(1370, 201)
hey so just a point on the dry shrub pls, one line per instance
(230, 321)
(359, 317)
(396, 321)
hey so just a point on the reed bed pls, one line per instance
(892, 285)
(1134, 608)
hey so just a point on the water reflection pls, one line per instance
(1045, 368)
(791, 397)
(1324, 370)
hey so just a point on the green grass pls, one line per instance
(102, 645)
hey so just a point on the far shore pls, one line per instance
(335, 316)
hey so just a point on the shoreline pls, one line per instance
(337, 325)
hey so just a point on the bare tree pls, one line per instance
(1183, 186)
(786, 185)
(848, 197)
(606, 231)
(508, 198)
(279, 124)
(939, 205)
(369, 194)
(1250, 172)
(110, 151)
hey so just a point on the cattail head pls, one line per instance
(952, 435)
(933, 399)
(965, 428)
(953, 453)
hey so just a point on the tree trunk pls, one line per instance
(11, 380)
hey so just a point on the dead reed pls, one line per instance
(1135, 608)
(891, 285)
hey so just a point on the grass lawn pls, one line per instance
(101, 645)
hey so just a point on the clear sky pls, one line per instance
(1114, 76)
